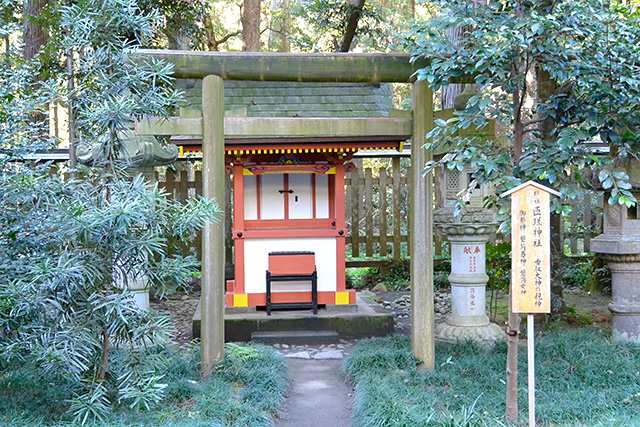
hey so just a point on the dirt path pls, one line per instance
(318, 397)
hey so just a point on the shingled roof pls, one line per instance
(296, 99)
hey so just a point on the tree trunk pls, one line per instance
(513, 332)
(179, 40)
(250, 26)
(352, 25)
(547, 87)
(513, 323)
(7, 51)
(104, 359)
(281, 26)
(34, 36)
(73, 160)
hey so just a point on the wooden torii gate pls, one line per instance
(214, 68)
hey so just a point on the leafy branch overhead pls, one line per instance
(586, 50)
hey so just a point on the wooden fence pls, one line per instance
(376, 208)
(377, 201)
(185, 182)
(583, 223)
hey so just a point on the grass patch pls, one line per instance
(247, 390)
(583, 379)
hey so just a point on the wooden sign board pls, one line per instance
(530, 248)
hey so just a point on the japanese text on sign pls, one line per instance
(530, 243)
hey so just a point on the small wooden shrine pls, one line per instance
(288, 184)
(290, 198)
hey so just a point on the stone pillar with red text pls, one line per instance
(468, 319)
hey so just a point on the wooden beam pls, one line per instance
(212, 301)
(294, 67)
(253, 127)
(421, 236)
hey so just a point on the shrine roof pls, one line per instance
(296, 99)
(299, 145)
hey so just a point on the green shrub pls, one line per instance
(582, 379)
(246, 390)
(577, 272)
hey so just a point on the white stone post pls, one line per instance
(468, 278)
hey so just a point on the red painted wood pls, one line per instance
(238, 227)
(238, 268)
(313, 196)
(280, 224)
(284, 233)
(258, 195)
(324, 298)
(341, 281)
(352, 296)
(332, 197)
(293, 264)
(286, 198)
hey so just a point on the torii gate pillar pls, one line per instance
(421, 230)
(213, 176)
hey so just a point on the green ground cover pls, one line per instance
(583, 379)
(245, 392)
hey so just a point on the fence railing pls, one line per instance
(377, 201)
(376, 209)
(583, 223)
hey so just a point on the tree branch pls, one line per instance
(352, 26)
(533, 122)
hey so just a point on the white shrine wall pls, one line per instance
(256, 256)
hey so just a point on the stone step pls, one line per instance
(295, 337)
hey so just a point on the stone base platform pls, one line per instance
(361, 320)
(484, 334)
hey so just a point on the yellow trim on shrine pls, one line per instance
(331, 171)
(241, 300)
(246, 172)
(342, 298)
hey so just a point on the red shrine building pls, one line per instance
(288, 199)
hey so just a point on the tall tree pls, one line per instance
(589, 50)
(250, 25)
(280, 25)
(34, 35)
(34, 38)
(355, 11)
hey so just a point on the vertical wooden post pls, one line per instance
(531, 381)
(573, 230)
(421, 237)
(356, 201)
(212, 301)
(368, 212)
(382, 173)
(397, 213)
(586, 221)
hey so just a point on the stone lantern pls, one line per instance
(619, 245)
(468, 234)
(143, 154)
